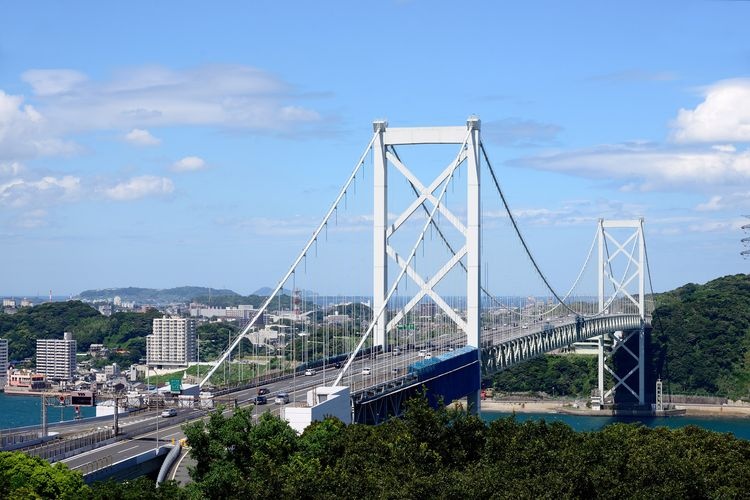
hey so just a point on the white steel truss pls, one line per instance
(383, 231)
(632, 248)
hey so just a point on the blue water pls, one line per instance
(19, 411)
(740, 427)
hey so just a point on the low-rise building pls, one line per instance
(112, 370)
(98, 350)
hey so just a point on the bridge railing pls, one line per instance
(500, 355)
(63, 448)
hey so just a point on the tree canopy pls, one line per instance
(448, 453)
(23, 476)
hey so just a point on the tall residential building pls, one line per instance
(3, 363)
(56, 358)
(172, 343)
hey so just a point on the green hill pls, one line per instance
(701, 337)
(125, 330)
(700, 344)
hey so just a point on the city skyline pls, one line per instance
(146, 146)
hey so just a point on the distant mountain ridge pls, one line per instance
(154, 295)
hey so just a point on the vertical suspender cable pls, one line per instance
(302, 254)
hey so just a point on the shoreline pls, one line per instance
(691, 410)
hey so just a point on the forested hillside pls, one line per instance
(700, 344)
(48, 321)
(701, 337)
(563, 375)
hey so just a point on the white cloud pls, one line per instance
(723, 116)
(569, 213)
(48, 189)
(646, 166)
(711, 226)
(232, 96)
(141, 137)
(11, 168)
(140, 187)
(725, 148)
(47, 82)
(711, 205)
(189, 164)
(24, 132)
(730, 200)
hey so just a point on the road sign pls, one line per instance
(175, 386)
(82, 398)
(409, 326)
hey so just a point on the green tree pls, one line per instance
(23, 476)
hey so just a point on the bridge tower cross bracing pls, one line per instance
(469, 138)
(635, 255)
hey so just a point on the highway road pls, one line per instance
(296, 387)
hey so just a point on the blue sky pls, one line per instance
(164, 144)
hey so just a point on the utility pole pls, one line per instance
(44, 417)
(116, 426)
(158, 417)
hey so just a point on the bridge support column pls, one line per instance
(473, 258)
(380, 239)
(600, 386)
(642, 364)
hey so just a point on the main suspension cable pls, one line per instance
(520, 236)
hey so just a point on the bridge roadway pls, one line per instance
(384, 367)
(297, 388)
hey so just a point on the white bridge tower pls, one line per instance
(468, 138)
(627, 291)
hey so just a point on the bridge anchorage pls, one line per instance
(431, 322)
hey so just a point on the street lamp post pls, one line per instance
(158, 417)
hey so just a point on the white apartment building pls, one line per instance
(172, 343)
(56, 358)
(3, 362)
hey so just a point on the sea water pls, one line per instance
(739, 426)
(20, 411)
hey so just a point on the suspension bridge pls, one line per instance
(429, 240)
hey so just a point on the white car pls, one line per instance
(309, 372)
(422, 353)
(366, 370)
(281, 398)
(169, 412)
(428, 355)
